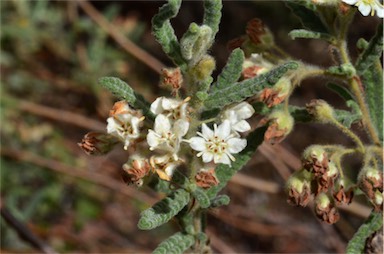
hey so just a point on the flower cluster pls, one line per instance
(319, 177)
(165, 146)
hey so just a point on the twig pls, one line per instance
(124, 42)
(255, 183)
(23, 231)
(83, 174)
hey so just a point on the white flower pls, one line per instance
(172, 108)
(125, 127)
(164, 166)
(166, 137)
(217, 145)
(237, 114)
(368, 7)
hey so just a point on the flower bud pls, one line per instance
(276, 94)
(171, 77)
(315, 160)
(135, 170)
(97, 143)
(298, 188)
(204, 68)
(325, 209)
(206, 178)
(325, 181)
(320, 110)
(341, 194)
(260, 37)
(280, 125)
(370, 181)
(255, 66)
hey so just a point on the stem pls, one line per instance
(349, 133)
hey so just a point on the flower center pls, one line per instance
(216, 145)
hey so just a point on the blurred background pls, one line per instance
(55, 198)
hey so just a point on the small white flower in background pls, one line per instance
(165, 136)
(125, 127)
(367, 7)
(217, 145)
(124, 123)
(164, 165)
(172, 108)
(237, 114)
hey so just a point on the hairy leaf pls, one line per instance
(357, 243)
(176, 244)
(306, 12)
(195, 42)
(232, 70)
(164, 210)
(341, 91)
(239, 91)
(307, 34)
(164, 33)
(212, 15)
(201, 197)
(225, 172)
(343, 70)
(123, 91)
(220, 200)
(373, 83)
(372, 53)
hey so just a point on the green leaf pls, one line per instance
(123, 91)
(306, 12)
(357, 243)
(372, 53)
(232, 70)
(307, 34)
(220, 201)
(346, 70)
(164, 210)
(201, 197)
(236, 92)
(347, 118)
(212, 15)
(195, 42)
(176, 244)
(341, 91)
(164, 33)
(225, 172)
(373, 83)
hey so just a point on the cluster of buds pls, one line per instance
(319, 177)
(370, 181)
(160, 147)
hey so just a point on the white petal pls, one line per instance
(241, 126)
(365, 9)
(112, 126)
(223, 130)
(197, 143)
(222, 159)
(152, 139)
(206, 131)
(207, 157)
(169, 104)
(162, 124)
(156, 106)
(351, 2)
(181, 127)
(380, 11)
(170, 169)
(236, 145)
(244, 110)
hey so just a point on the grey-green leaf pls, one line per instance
(307, 34)
(232, 70)
(201, 197)
(357, 243)
(239, 91)
(342, 91)
(164, 210)
(123, 91)
(176, 244)
(212, 15)
(372, 53)
(164, 33)
(220, 200)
